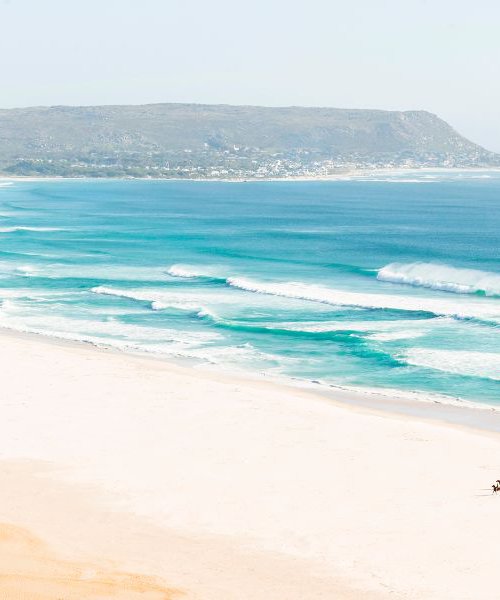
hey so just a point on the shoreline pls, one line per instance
(348, 175)
(229, 488)
(397, 403)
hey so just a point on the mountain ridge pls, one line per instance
(222, 140)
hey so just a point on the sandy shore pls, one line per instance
(123, 476)
(341, 175)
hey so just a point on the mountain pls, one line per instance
(194, 140)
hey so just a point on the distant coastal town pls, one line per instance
(237, 163)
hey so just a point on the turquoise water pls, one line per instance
(391, 283)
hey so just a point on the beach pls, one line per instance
(275, 391)
(249, 314)
(200, 484)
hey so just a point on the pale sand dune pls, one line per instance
(232, 490)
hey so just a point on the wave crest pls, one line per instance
(458, 362)
(179, 271)
(188, 272)
(157, 300)
(442, 277)
(335, 297)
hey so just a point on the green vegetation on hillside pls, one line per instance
(203, 141)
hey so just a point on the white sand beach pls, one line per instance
(123, 476)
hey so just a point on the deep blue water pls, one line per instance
(390, 284)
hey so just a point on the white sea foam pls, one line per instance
(209, 303)
(8, 306)
(396, 335)
(381, 331)
(180, 271)
(23, 228)
(104, 271)
(26, 270)
(397, 394)
(11, 268)
(442, 277)
(32, 294)
(242, 355)
(157, 300)
(110, 331)
(314, 293)
(397, 179)
(191, 272)
(389, 327)
(206, 312)
(134, 294)
(36, 254)
(458, 308)
(461, 362)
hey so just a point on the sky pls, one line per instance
(436, 55)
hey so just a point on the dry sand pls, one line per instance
(29, 570)
(198, 485)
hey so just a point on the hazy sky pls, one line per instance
(438, 55)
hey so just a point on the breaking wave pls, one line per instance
(486, 310)
(179, 271)
(459, 362)
(334, 297)
(188, 272)
(110, 333)
(157, 300)
(443, 278)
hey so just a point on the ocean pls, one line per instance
(387, 283)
